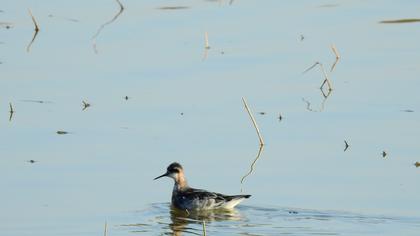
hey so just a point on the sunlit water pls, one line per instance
(157, 95)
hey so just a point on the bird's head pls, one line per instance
(173, 171)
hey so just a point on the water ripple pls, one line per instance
(254, 221)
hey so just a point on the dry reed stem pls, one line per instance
(334, 64)
(11, 111)
(33, 20)
(206, 40)
(28, 48)
(311, 67)
(326, 80)
(253, 122)
(337, 55)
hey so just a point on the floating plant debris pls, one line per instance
(6, 25)
(346, 145)
(35, 101)
(11, 111)
(173, 8)
(64, 18)
(400, 21)
(85, 105)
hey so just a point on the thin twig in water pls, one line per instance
(337, 57)
(322, 107)
(33, 19)
(105, 24)
(11, 107)
(334, 64)
(206, 46)
(204, 228)
(253, 121)
(326, 80)
(206, 41)
(310, 68)
(85, 105)
(347, 145)
(11, 111)
(308, 105)
(325, 95)
(106, 229)
(253, 164)
(28, 48)
(205, 54)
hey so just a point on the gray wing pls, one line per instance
(202, 195)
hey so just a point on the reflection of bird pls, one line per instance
(181, 219)
(187, 198)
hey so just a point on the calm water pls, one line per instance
(157, 95)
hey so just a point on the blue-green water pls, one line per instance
(184, 104)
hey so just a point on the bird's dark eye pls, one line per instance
(174, 170)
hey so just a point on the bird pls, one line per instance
(191, 199)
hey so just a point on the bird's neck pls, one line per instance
(180, 182)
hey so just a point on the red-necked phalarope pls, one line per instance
(187, 198)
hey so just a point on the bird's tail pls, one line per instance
(234, 200)
(239, 197)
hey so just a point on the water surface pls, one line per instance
(157, 95)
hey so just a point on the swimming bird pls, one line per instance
(186, 198)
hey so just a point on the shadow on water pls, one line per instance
(251, 220)
(322, 106)
(63, 18)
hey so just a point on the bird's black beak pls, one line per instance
(166, 174)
